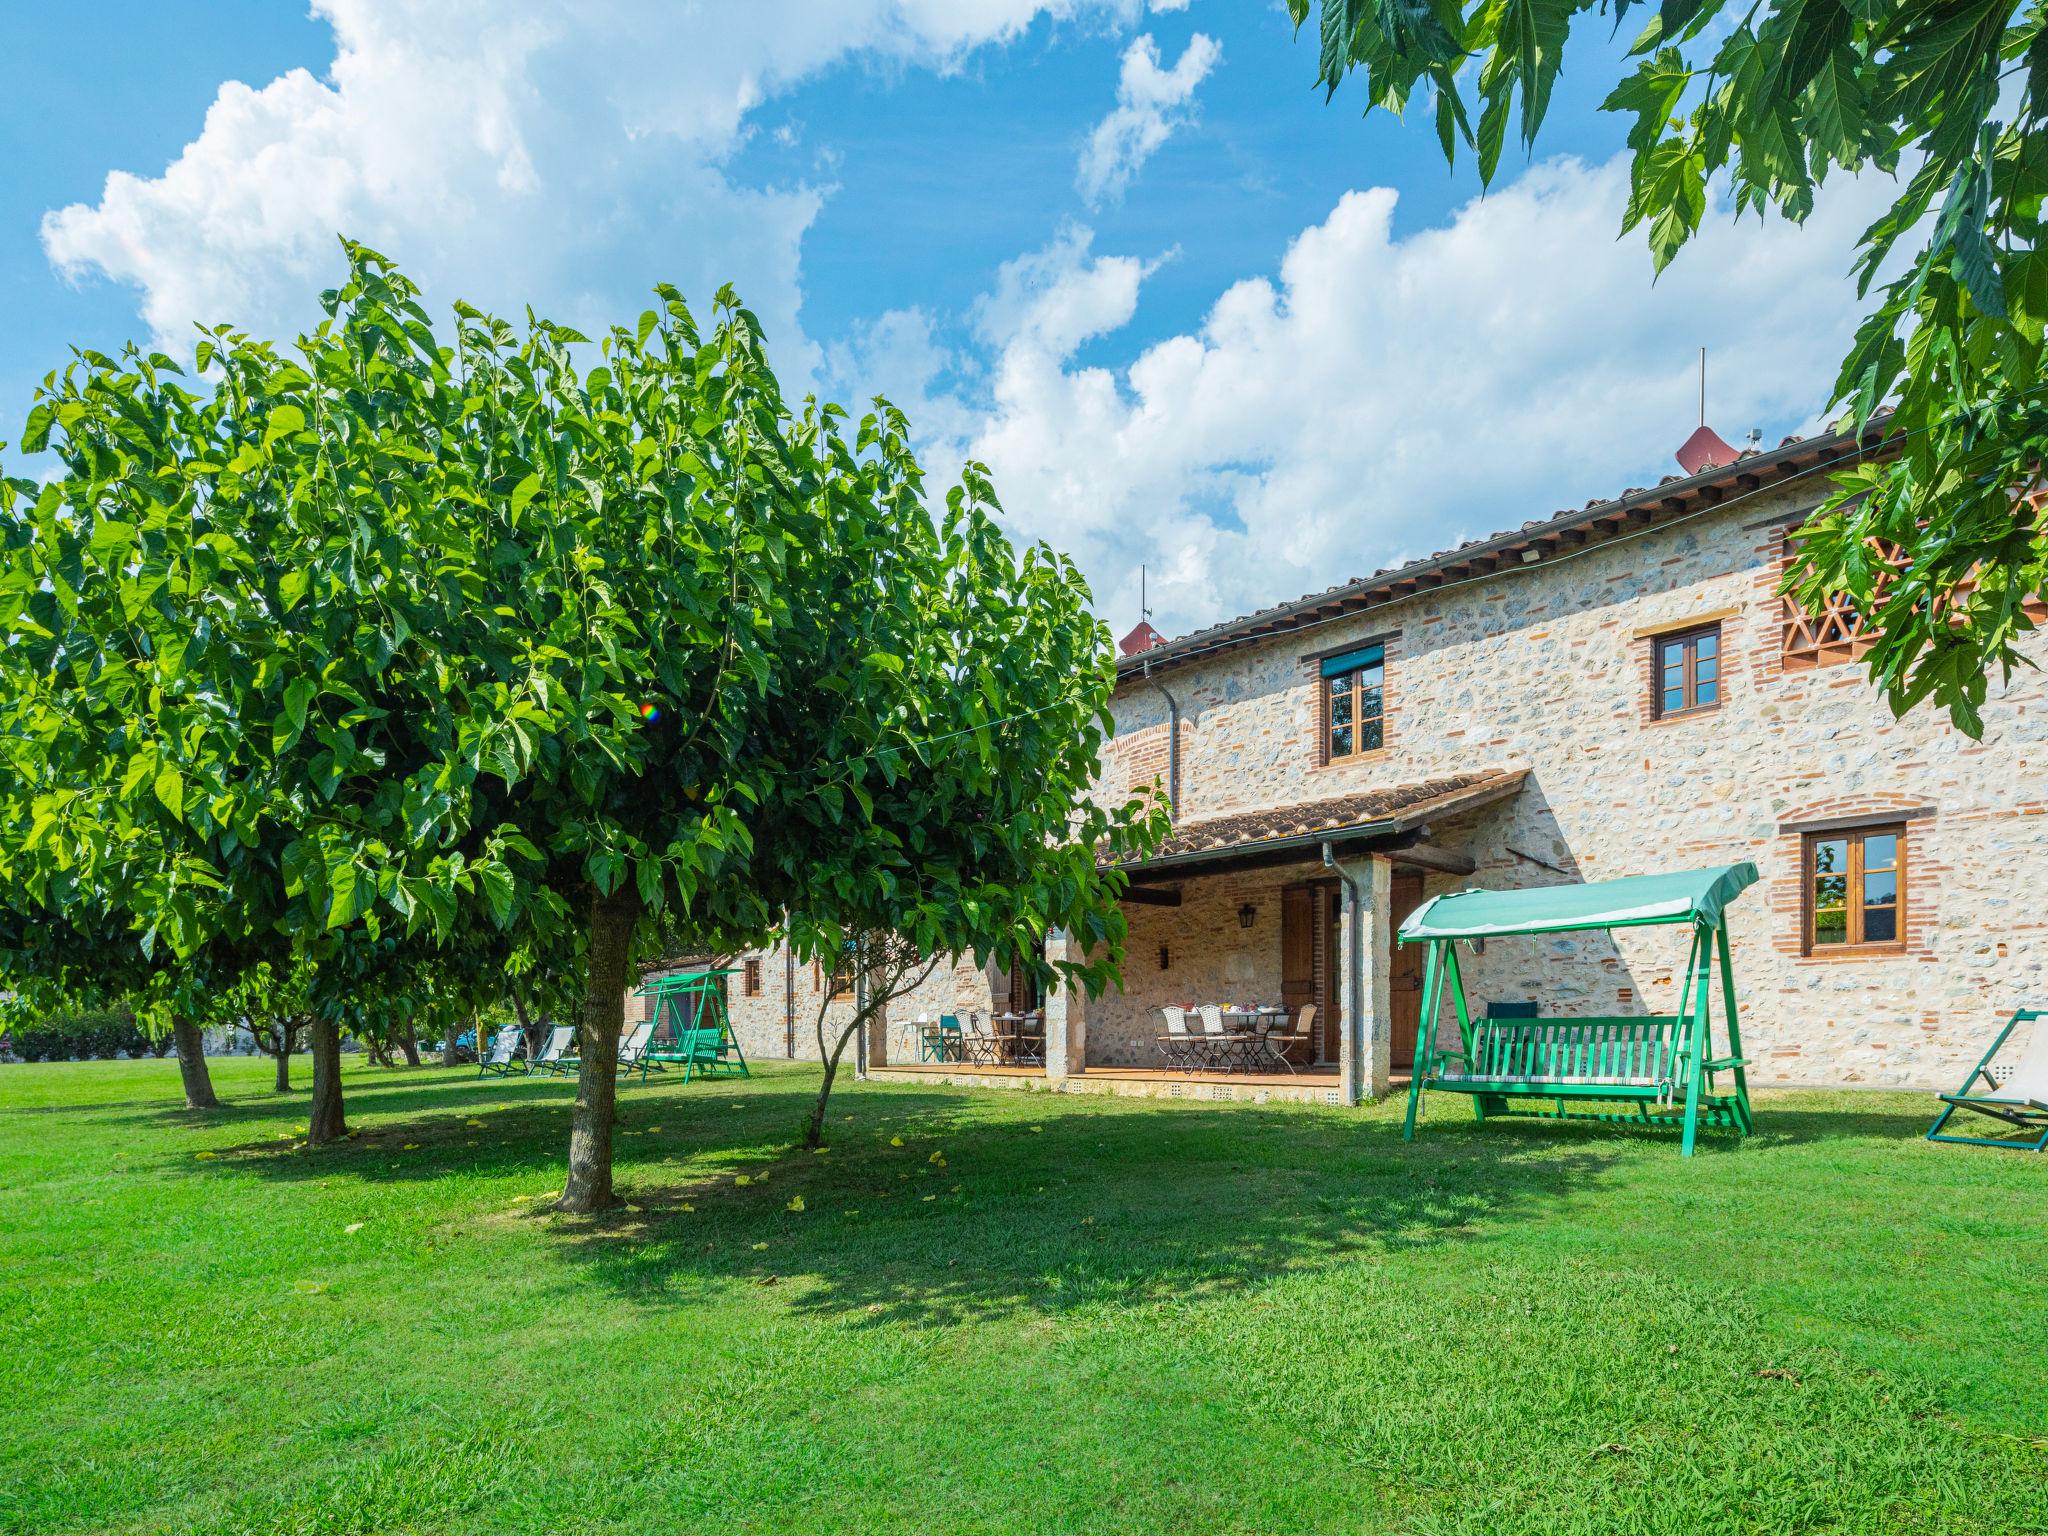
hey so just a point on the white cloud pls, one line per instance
(1387, 396)
(1151, 102)
(549, 151)
(1160, 7)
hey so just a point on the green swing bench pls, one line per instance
(692, 1029)
(1659, 1069)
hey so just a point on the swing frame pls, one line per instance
(1657, 1070)
(691, 1006)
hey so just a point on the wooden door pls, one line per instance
(1297, 947)
(1332, 980)
(1405, 977)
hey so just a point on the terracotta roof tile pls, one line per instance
(1247, 626)
(1403, 804)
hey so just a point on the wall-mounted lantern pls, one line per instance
(1245, 915)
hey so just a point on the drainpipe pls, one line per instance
(1172, 741)
(788, 1000)
(860, 1033)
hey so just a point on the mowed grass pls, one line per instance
(997, 1311)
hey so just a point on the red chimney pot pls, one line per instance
(1143, 638)
(1705, 450)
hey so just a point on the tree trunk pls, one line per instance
(409, 1042)
(527, 1027)
(284, 1039)
(597, 1075)
(450, 1056)
(814, 1127)
(191, 1042)
(326, 1124)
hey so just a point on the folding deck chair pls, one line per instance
(633, 1049)
(504, 1052)
(553, 1056)
(2014, 1091)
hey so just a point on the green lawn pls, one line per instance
(1033, 1314)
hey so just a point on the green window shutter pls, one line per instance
(1351, 661)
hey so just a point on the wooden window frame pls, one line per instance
(750, 976)
(1323, 724)
(1854, 944)
(1689, 638)
(839, 983)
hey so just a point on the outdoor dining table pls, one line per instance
(1015, 1045)
(1254, 1026)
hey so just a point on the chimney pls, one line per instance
(1143, 638)
(1705, 450)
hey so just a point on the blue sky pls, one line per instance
(1253, 341)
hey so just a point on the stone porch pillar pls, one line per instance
(1066, 1015)
(1365, 955)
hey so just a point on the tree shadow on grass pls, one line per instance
(938, 1205)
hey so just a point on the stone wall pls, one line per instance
(762, 1018)
(1547, 666)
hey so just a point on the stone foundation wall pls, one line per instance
(1547, 667)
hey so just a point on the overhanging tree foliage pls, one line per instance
(1940, 543)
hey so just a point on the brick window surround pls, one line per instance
(750, 976)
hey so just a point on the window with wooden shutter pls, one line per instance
(1353, 703)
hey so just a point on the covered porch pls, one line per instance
(1277, 925)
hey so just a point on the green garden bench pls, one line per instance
(707, 1051)
(1657, 1069)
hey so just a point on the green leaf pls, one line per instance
(342, 891)
(170, 790)
(297, 695)
(523, 493)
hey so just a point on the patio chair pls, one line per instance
(983, 1041)
(1218, 1044)
(942, 1041)
(1281, 1041)
(504, 1053)
(2014, 1091)
(1027, 1045)
(553, 1056)
(1177, 1045)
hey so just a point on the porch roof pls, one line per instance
(1366, 814)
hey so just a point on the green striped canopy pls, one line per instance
(1684, 896)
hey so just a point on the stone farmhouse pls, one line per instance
(1608, 691)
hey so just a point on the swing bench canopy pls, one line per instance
(1651, 1070)
(1698, 896)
